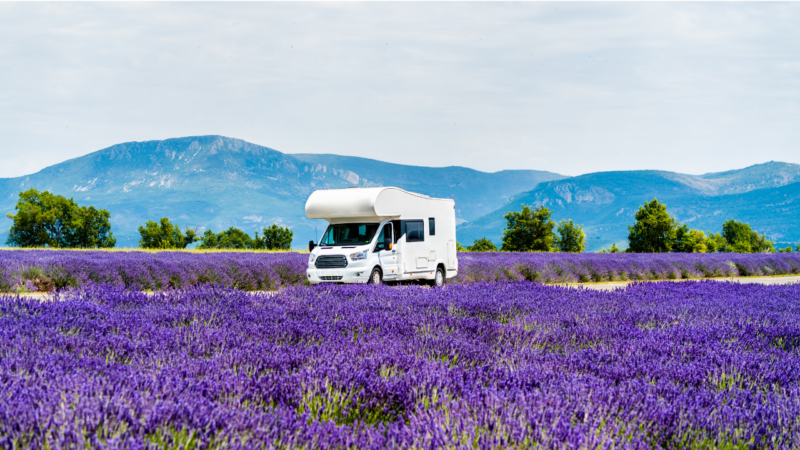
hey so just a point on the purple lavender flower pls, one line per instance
(509, 364)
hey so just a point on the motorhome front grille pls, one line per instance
(328, 278)
(330, 262)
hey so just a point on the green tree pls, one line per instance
(528, 230)
(786, 250)
(47, 220)
(208, 240)
(459, 248)
(689, 241)
(165, 235)
(740, 238)
(482, 245)
(655, 231)
(571, 238)
(232, 238)
(715, 243)
(760, 244)
(275, 238)
(612, 249)
(737, 237)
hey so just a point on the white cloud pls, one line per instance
(678, 86)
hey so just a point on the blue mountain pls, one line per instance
(765, 195)
(214, 182)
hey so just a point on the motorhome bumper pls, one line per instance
(357, 275)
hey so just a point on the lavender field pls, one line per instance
(48, 270)
(487, 365)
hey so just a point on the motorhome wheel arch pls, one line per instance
(382, 234)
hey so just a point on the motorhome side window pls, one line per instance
(415, 231)
(398, 230)
(432, 226)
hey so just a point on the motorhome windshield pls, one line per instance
(349, 234)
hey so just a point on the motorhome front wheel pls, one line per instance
(375, 278)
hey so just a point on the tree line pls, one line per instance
(531, 230)
(43, 219)
(655, 231)
(166, 235)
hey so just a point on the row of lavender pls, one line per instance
(487, 365)
(47, 270)
(50, 270)
(593, 267)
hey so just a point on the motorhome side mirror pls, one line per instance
(387, 243)
(311, 245)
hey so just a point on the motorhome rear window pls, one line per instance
(415, 231)
(349, 234)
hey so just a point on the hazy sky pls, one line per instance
(565, 87)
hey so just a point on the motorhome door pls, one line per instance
(387, 257)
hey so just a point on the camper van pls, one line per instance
(382, 234)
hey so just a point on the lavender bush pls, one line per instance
(50, 270)
(487, 365)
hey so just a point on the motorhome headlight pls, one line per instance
(358, 256)
(311, 258)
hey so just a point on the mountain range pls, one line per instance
(767, 196)
(214, 182)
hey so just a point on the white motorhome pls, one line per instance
(382, 234)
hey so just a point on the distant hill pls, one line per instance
(765, 195)
(216, 182)
(476, 193)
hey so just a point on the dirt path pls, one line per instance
(743, 280)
